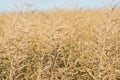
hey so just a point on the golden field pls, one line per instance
(60, 45)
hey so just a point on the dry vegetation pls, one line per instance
(60, 45)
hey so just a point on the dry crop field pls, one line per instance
(60, 45)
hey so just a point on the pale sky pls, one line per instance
(13, 5)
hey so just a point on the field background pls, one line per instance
(60, 45)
